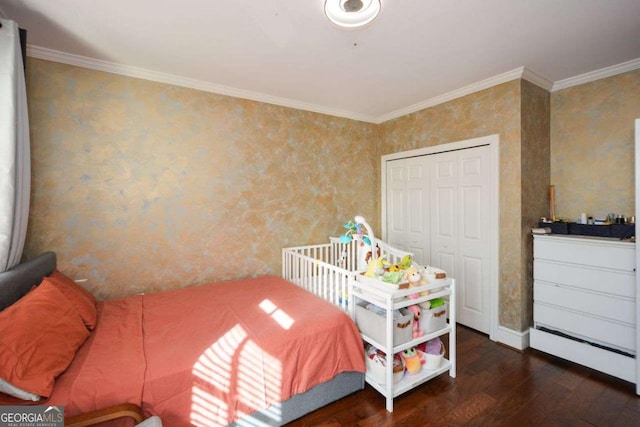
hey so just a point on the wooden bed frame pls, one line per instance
(17, 281)
(128, 410)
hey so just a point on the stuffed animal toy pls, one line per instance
(392, 277)
(417, 313)
(375, 268)
(432, 273)
(433, 347)
(412, 361)
(415, 279)
(368, 256)
(406, 262)
(437, 302)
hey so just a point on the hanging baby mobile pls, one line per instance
(354, 229)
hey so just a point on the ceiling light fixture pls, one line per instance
(351, 13)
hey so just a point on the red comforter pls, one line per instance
(210, 354)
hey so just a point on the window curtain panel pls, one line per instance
(15, 160)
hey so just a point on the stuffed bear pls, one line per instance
(415, 279)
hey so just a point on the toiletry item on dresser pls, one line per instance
(541, 230)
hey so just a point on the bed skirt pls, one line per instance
(302, 404)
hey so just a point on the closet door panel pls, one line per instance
(396, 200)
(473, 239)
(418, 210)
(444, 212)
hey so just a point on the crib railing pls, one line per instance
(326, 269)
(306, 267)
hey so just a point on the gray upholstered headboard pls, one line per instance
(16, 282)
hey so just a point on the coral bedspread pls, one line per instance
(210, 354)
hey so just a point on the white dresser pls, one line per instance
(584, 302)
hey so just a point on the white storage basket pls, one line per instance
(374, 325)
(434, 319)
(377, 371)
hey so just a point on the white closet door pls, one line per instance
(445, 215)
(460, 238)
(474, 302)
(437, 206)
(459, 188)
(408, 210)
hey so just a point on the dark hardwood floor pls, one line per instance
(495, 386)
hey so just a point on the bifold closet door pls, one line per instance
(437, 206)
(459, 230)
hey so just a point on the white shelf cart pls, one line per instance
(390, 299)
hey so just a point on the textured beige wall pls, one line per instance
(143, 186)
(492, 111)
(592, 146)
(535, 138)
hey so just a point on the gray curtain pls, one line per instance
(15, 158)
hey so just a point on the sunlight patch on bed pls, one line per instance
(277, 314)
(259, 377)
(207, 410)
(237, 366)
(214, 364)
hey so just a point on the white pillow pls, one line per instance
(154, 421)
(14, 391)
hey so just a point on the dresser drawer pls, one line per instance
(609, 254)
(594, 304)
(613, 282)
(608, 333)
(596, 358)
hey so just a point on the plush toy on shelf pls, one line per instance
(406, 262)
(391, 277)
(417, 313)
(415, 279)
(376, 267)
(412, 360)
(432, 273)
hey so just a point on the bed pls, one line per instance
(246, 352)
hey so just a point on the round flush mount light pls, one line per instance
(351, 13)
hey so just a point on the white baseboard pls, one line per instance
(511, 338)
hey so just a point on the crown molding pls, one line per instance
(602, 73)
(537, 79)
(142, 73)
(458, 93)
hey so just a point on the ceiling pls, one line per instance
(415, 54)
